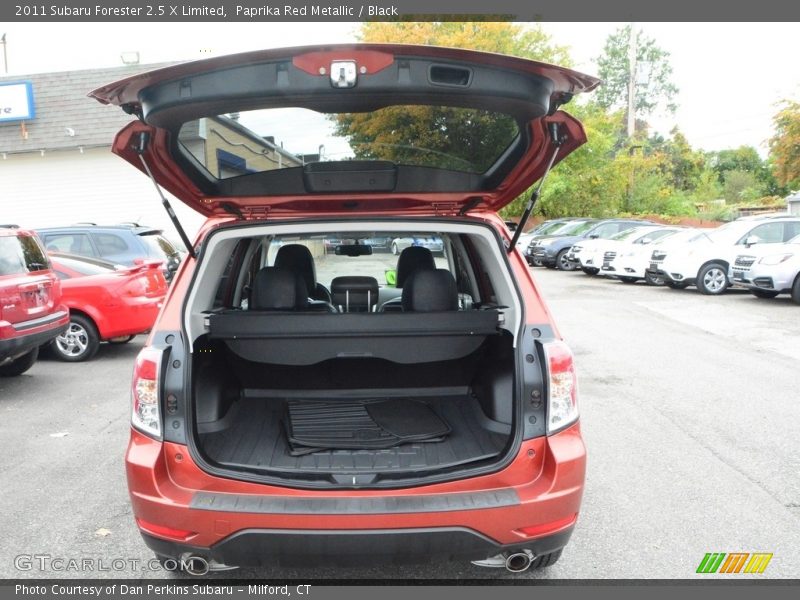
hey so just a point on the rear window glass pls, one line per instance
(21, 255)
(82, 267)
(109, 244)
(576, 228)
(69, 243)
(458, 139)
(158, 246)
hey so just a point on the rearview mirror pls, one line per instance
(353, 250)
(391, 277)
(750, 240)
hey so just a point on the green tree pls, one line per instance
(593, 180)
(654, 86)
(742, 186)
(456, 138)
(785, 145)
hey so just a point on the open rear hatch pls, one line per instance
(388, 131)
(320, 130)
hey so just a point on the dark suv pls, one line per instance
(299, 406)
(123, 244)
(31, 313)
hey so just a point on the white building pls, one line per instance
(793, 203)
(56, 165)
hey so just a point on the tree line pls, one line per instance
(620, 170)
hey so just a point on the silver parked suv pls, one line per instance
(770, 270)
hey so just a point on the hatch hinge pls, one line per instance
(255, 213)
(446, 209)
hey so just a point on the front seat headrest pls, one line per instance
(355, 293)
(275, 288)
(430, 291)
(411, 259)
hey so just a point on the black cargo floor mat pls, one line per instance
(256, 439)
(314, 425)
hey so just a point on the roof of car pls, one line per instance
(132, 227)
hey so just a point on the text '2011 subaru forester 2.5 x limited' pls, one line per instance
(306, 395)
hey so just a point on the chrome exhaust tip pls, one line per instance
(516, 562)
(519, 561)
(195, 565)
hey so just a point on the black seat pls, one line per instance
(275, 288)
(430, 291)
(410, 260)
(297, 258)
(355, 293)
(279, 289)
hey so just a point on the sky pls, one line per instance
(730, 75)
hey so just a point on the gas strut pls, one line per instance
(555, 135)
(144, 137)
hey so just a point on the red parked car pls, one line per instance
(106, 302)
(296, 406)
(31, 312)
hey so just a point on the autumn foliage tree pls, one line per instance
(785, 145)
(446, 137)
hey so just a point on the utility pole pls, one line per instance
(5, 54)
(632, 80)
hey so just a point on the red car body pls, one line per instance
(31, 308)
(121, 302)
(185, 511)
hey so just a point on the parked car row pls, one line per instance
(70, 303)
(760, 253)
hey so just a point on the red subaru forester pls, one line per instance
(353, 364)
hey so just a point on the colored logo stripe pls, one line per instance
(711, 562)
(734, 563)
(758, 562)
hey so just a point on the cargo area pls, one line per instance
(309, 422)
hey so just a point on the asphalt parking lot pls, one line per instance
(690, 412)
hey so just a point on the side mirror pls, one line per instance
(750, 240)
(391, 277)
(594, 236)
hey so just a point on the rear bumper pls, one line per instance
(22, 341)
(349, 548)
(133, 316)
(243, 523)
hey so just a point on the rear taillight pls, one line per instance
(146, 414)
(562, 394)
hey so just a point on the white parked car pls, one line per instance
(632, 262)
(589, 253)
(770, 269)
(705, 262)
(609, 255)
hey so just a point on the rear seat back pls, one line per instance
(280, 289)
(276, 288)
(430, 291)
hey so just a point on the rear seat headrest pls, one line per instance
(275, 288)
(355, 293)
(297, 257)
(411, 259)
(430, 291)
